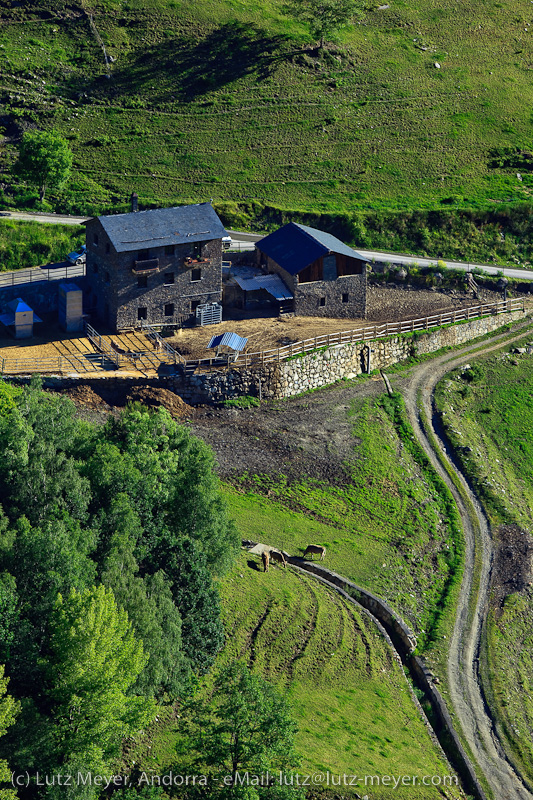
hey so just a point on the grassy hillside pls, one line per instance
(227, 100)
(349, 696)
(390, 530)
(489, 416)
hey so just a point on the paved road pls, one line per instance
(466, 266)
(244, 241)
(52, 219)
(405, 258)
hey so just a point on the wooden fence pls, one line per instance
(103, 361)
(369, 333)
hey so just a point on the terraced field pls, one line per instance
(349, 695)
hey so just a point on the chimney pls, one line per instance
(134, 201)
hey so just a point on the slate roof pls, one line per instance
(158, 227)
(296, 246)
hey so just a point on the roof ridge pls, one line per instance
(306, 233)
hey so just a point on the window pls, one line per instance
(169, 310)
(169, 250)
(345, 298)
(142, 313)
(95, 239)
(194, 305)
(107, 277)
(144, 255)
(95, 269)
(142, 282)
(107, 247)
(169, 278)
(196, 275)
(321, 301)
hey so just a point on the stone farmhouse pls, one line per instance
(326, 277)
(153, 266)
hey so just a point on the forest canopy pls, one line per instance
(111, 540)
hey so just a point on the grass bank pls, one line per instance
(392, 529)
(414, 108)
(354, 710)
(486, 411)
(30, 244)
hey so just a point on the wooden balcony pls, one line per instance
(197, 262)
(149, 267)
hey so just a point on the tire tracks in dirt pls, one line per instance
(465, 689)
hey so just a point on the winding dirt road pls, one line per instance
(463, 676)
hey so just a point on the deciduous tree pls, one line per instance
(246, 726)
(94, 660)
(44, 160)
(8, 710)
(324, 17)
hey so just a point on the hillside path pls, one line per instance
(463, 676)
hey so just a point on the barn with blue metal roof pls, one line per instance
(325, 276)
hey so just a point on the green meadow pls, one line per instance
(230, 100)
(350, 698)
(391, 528)
(488, 414)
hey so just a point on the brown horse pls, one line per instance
(277, 555)
(266, 560)
(315, 548)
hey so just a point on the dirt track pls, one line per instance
(463, 677)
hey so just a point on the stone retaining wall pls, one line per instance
(404, 643)
(328, 365)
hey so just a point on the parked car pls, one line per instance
(226, 242)
(78, 258)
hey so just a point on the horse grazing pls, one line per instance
(315, 548)
(277, 555)
(266, 560)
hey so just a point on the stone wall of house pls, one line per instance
(334, 297)
(120, 298)
(328, 365)
(343, 297)
(41, 296)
